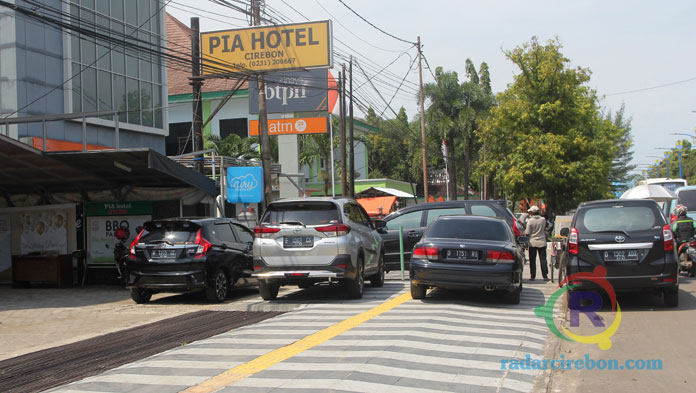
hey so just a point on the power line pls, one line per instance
(653, 87)
(369, 62)
(392, 99)
(355, 35)
(428, 65)
(373, 25)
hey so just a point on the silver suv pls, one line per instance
(309, 240)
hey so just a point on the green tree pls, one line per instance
(446, 116)
(546, 137)
(621, 165)
(234, 146)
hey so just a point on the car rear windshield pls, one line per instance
(468, 229)
(619, 218)
(170, 232)
(688, 198)
(304, 213)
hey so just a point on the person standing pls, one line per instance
(535, 230)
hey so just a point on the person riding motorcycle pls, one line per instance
(684, 229)
(684, 226)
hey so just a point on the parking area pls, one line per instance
(33, 319)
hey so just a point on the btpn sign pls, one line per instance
(268, 48)
(297, 91)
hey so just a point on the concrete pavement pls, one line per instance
(648, 331)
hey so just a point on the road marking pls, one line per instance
(274, 357)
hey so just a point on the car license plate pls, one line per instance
(621, 255)
(465, 255)
(163, 253)
(298, 241)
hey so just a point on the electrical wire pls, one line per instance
(373, 25)
(653, 87)
(355, 35)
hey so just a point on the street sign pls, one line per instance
(269, 48)
(307, 125)
(245, 184)
(288, 92)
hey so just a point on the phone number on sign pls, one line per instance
(271, 62)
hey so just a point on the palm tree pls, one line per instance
(317, 147)
(444, 115)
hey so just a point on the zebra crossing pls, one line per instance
(448, 342)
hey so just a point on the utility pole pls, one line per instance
(352, 141)
(422, 119)
(263, 122)
(197, 83)
(344, 185)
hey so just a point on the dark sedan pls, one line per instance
(468, 252)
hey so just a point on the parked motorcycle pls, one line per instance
(121, 252)
(687, 257)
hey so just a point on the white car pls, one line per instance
(310, 240)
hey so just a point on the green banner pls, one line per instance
(118, 208)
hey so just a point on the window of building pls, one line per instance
(179, 139)
(111, 77)
(234, 126)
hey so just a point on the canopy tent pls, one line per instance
(382, 191)
(649, 191)
(378, 206)
(28, 173)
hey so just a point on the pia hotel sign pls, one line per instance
(268, 48)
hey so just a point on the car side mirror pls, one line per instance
(565, 232)
(523, 241)
(379, 225)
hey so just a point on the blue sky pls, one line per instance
(628, 45)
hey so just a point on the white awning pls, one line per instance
(383, 191)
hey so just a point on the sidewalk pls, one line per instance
(39, 318)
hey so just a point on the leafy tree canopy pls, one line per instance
(546, 138)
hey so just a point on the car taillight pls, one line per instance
(573, 242)
(430, 253)
(262, 231)
(668, 238)
(334, 230)
(515, 230)
(134, 242)
(203, 245)
(500, 256)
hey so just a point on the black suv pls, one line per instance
(631, 239)
(181, 254)
(415, 219)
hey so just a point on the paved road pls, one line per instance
(451, 341)
(647, 331)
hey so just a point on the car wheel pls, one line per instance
(514, 296)
(140, 295)
(671, 297)
(268, 290)
(378, 279)
(218, 291)
(418, 291)
(356, 286)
